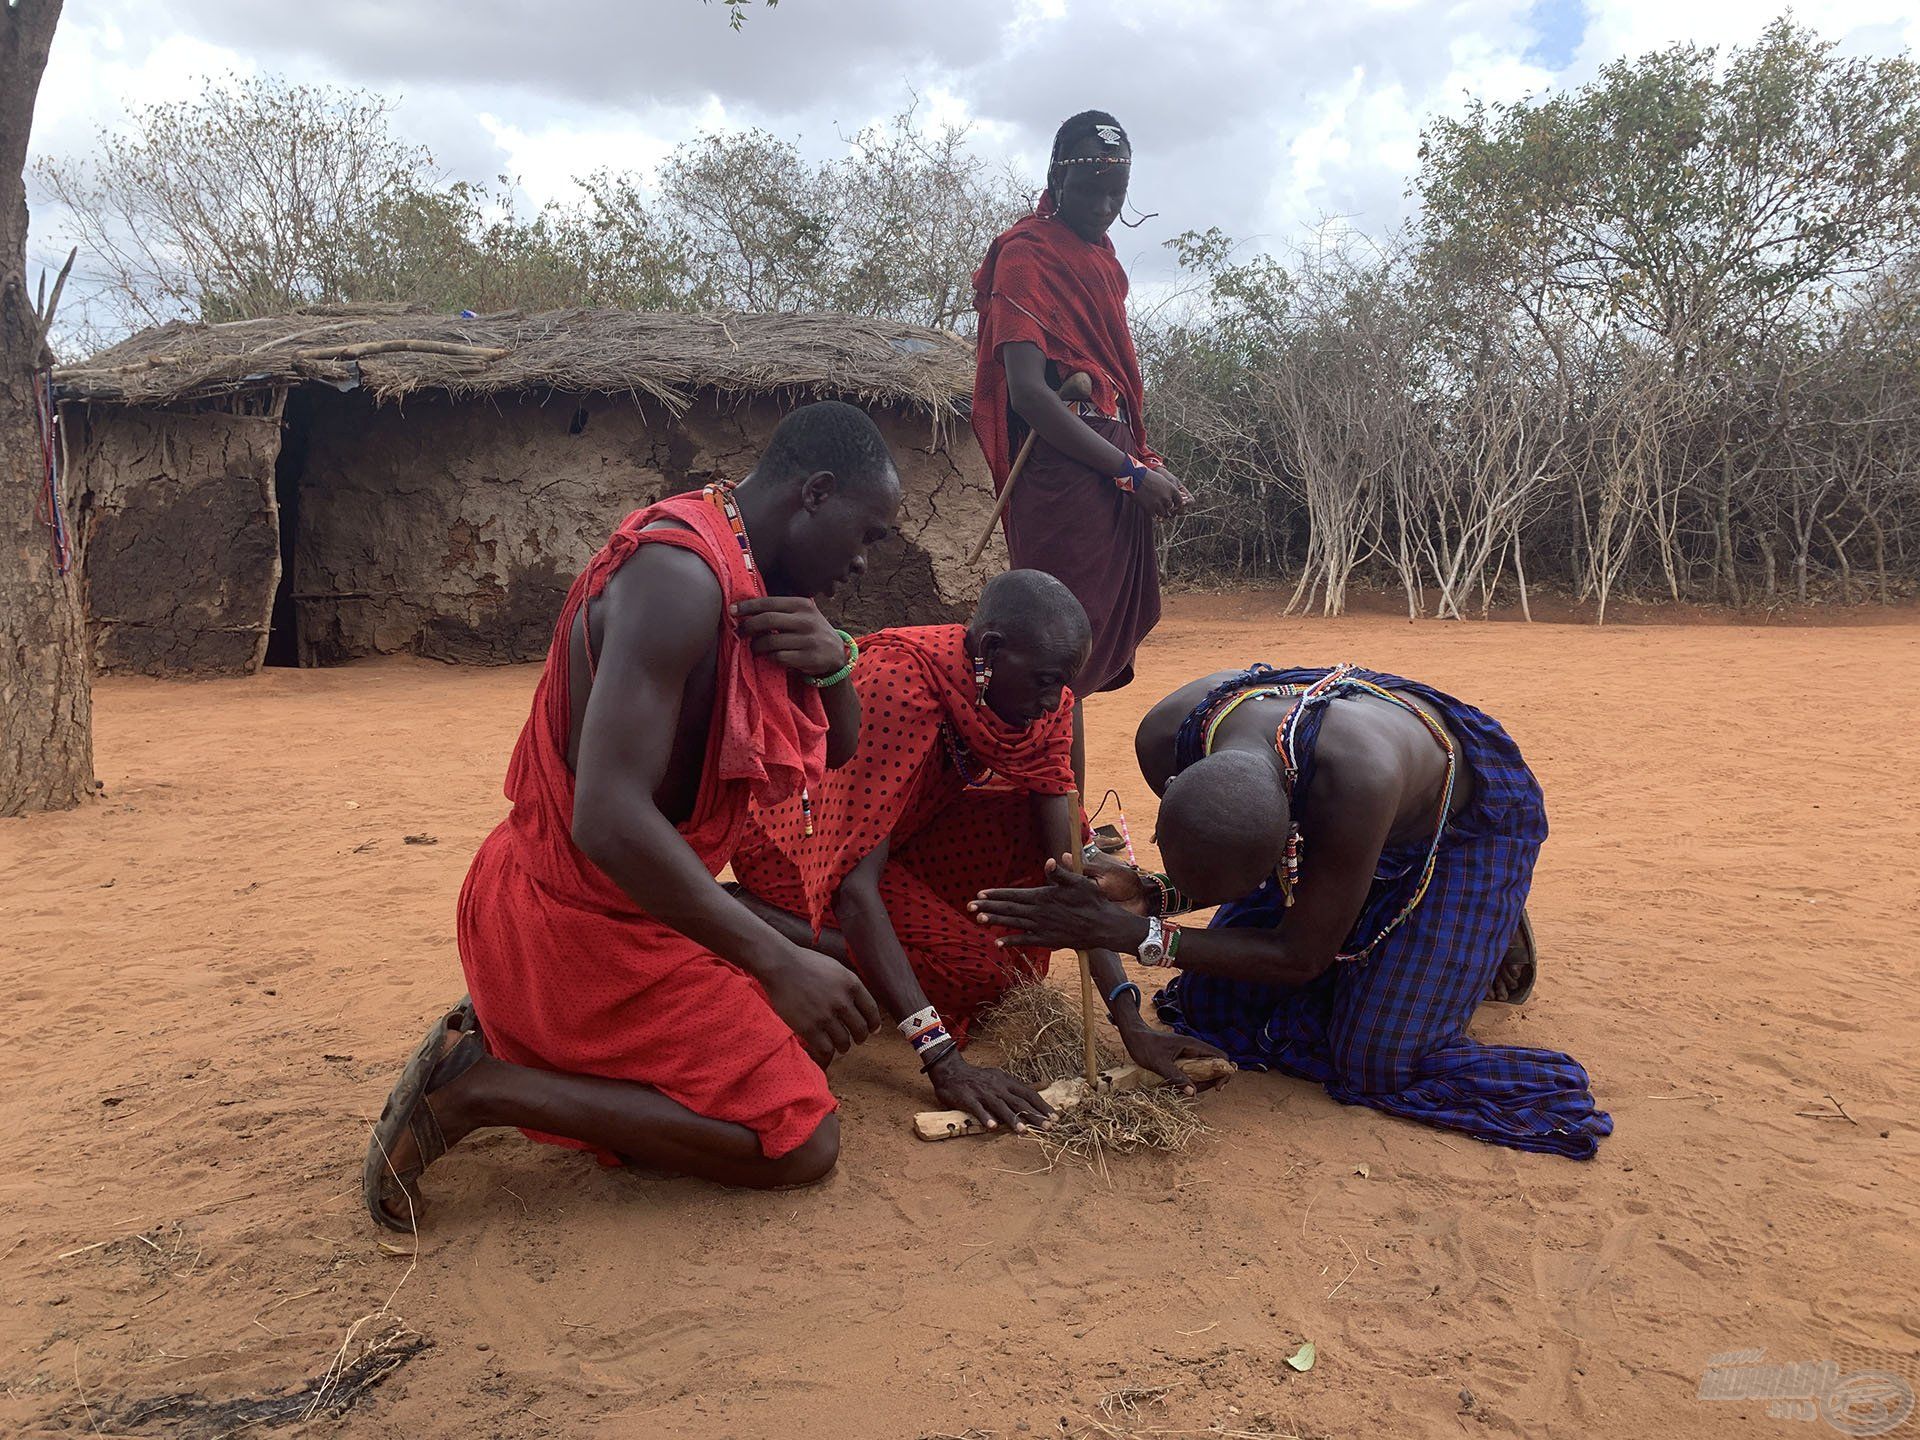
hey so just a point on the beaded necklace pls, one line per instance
(962, 758)
(1285, 742)
(1227, 706)
(1289, 873)
(720, 495)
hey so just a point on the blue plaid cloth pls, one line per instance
(1390, 1030)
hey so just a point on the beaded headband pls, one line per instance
(1111, 136)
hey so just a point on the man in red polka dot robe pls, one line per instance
(962, 781)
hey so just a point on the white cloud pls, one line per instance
(1633, 27)
(544, 162)
(1259, 119)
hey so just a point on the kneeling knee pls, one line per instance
(811, 1161)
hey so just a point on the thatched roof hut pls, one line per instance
(338, 482)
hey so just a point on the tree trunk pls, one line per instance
(1723, 518)
(1520, 576)
(1840, 555)
(1880, 558)
(46, 700)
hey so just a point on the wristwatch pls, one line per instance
(1153, 949)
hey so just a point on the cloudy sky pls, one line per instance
(1259, 118)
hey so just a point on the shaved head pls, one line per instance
(1031, 609)
(1223, 825)
(1032, 638)
(833, 436)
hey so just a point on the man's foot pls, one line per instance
(1519, 968)
(409, 1135)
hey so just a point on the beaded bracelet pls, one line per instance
(1154, 891)
(1135, 473)
(853, 654)
(925, 1031)
(1163, 897)
(918, 1021)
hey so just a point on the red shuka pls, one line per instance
(1043, 284)
(949, 839)
(566, 972)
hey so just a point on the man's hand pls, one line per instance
(992, 1097)
(1068, 912)
(823, 1001)
(1186, 495)
(1117, 880)
(1163, 496)
(1158, 1051)
(792, 630)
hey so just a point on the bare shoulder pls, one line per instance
(1359, 757)
(664, 600)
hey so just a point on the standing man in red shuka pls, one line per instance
(1053, 300)
(622, 1001)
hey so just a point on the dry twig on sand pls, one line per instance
(1036, 1032)
(1128, 1399)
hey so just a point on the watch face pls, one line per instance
(1153, 948)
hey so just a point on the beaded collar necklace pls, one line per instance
(1286, 742)
(720, 495)
(962, 757)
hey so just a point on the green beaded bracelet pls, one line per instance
(853, 654)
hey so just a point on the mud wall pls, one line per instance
(453, 529)
(182, 548)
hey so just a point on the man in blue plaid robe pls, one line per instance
(1370, 842)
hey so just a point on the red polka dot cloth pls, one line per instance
(566, 972)
(949, 839)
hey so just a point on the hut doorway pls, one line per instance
(283, 634)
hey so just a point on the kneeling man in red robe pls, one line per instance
(621, 1000)
(963, 780)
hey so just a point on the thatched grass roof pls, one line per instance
(394, 351)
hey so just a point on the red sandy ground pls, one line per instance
(213, 972)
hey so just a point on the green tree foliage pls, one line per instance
(252, 198)
(258, 197)
(894, 227)
(737, 10)
(1699, 201)
(1659, 335)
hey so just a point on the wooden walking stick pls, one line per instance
(1077, 386)
(1087, 992)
